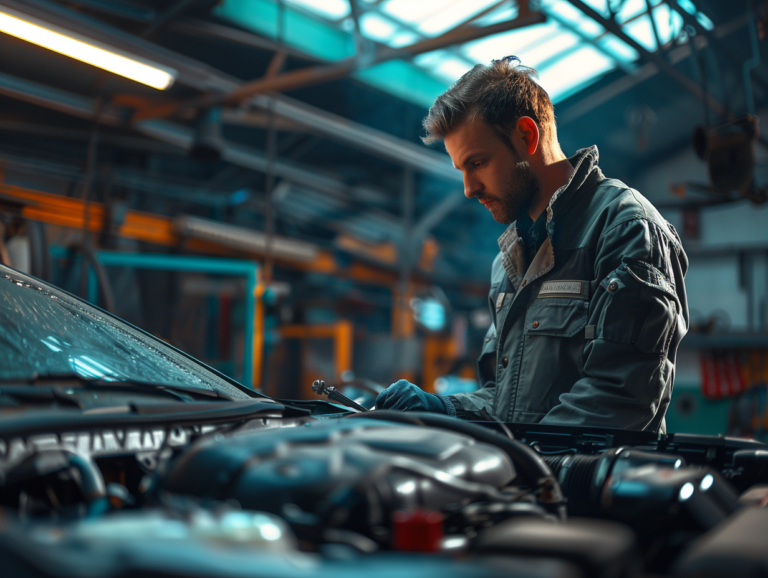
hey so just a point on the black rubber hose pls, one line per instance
(91, 480)
(533, 469)
(50, 461)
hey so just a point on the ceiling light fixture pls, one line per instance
(86, 50)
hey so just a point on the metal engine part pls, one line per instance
(351, 474)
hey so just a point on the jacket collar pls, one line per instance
(586, 174)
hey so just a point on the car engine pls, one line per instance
(286, 493)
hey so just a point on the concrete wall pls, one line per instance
(714, 282)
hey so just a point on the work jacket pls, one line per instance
(586, 334)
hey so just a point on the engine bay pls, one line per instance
(286, 493)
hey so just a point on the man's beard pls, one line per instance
(519, 192)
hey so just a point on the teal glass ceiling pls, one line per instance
(570, 50)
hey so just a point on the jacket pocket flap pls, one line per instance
(558, 317)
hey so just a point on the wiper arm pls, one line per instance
(26, 394)
(181, 392)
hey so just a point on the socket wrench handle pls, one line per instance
(320, 388)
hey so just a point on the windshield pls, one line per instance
(44, 331)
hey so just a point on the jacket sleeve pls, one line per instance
(478, 405)
(639, 314)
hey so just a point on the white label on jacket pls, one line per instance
(500, 301)
(564, 287)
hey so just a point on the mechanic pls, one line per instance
(587, 297)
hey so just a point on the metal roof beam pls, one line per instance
(319, 74)
(199, 75)
(614, 28)
(375, 142)
(714, 38)
(361, 137)
(176, 9)
(591, 41)
(195, 27)
(622, 85)
(116, 8)
(327, 72)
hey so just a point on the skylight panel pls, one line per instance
(430, 59)
(689, 7)
(641, 30)
(600, 6)
(619, 49)
(412, 12)
(403, 38)
(574, 71)
(333, 9)
(453, 15)
(631, 9)
(668, 22)
(540, 53)
(506, 43)
(704, 21)
(451, 68)
(564, 10)
(377, 27)
(506, 11)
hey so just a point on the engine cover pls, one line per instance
(351, 473)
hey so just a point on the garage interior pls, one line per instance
(268, 207)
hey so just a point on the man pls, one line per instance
(587, 296)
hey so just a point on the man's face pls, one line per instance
(493, 172)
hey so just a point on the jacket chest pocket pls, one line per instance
(556, 317)
(553, 353)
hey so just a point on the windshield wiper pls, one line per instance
(11, 395)
(179, 392)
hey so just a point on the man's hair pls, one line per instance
(500, 94)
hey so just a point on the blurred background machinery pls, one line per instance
(244, 177)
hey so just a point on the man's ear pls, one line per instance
(528, 131)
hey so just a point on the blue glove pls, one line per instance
(405, 396)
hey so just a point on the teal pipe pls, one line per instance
(211, 265)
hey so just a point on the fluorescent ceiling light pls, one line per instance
(85, 50)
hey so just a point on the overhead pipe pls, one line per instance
(202, 77)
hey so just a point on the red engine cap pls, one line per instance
(417, 531)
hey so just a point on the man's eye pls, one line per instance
(478, 163)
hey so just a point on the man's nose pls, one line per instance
(471, 187)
